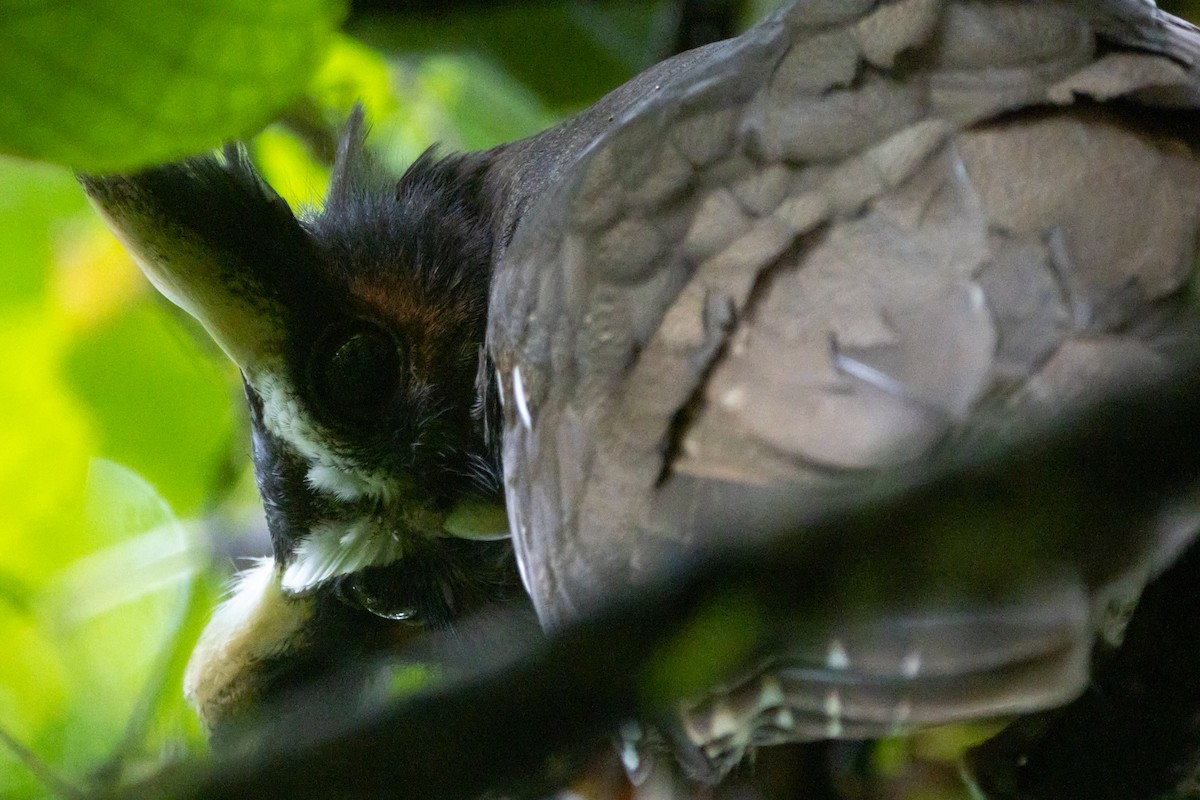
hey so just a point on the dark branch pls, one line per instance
(702, 22)
(521, 723)
(1135, 734)
(697, 22)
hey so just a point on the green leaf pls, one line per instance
(36, 200)
(119, 615)
(583, 50)
(45, 439)
(117, 84)
(160, 405)
(96, 649)
(485, 106)
(461, 102)
(408, 679)
(715, 643)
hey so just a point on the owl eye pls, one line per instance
(356, 370)
(366, 592)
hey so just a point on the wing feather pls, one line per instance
(828, 248)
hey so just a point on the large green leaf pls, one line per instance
(111, 85)
(36, 201)
(180, 432)
(91, 681)
(568, 54)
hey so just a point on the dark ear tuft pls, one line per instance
(221, 200)
(240, 168)
(351, 166)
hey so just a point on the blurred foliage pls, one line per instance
(1188, 9)
(113, 85)
(125, 483)
(614, 40)
(101, 587)
(125, 490)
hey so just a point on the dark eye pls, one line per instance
(367, 592)
(356, 370)
(400, 591)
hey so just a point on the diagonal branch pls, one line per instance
(522, 722)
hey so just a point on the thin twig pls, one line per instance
(39, 769)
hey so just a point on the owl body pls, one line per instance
(764, 277)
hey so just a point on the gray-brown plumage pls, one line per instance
(776, 267)
(857, 233)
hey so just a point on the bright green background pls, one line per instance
(126, 497)
(125, 493)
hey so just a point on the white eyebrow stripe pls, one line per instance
(285, 415)
(348, 485)
(333, 549)
(329, 472)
